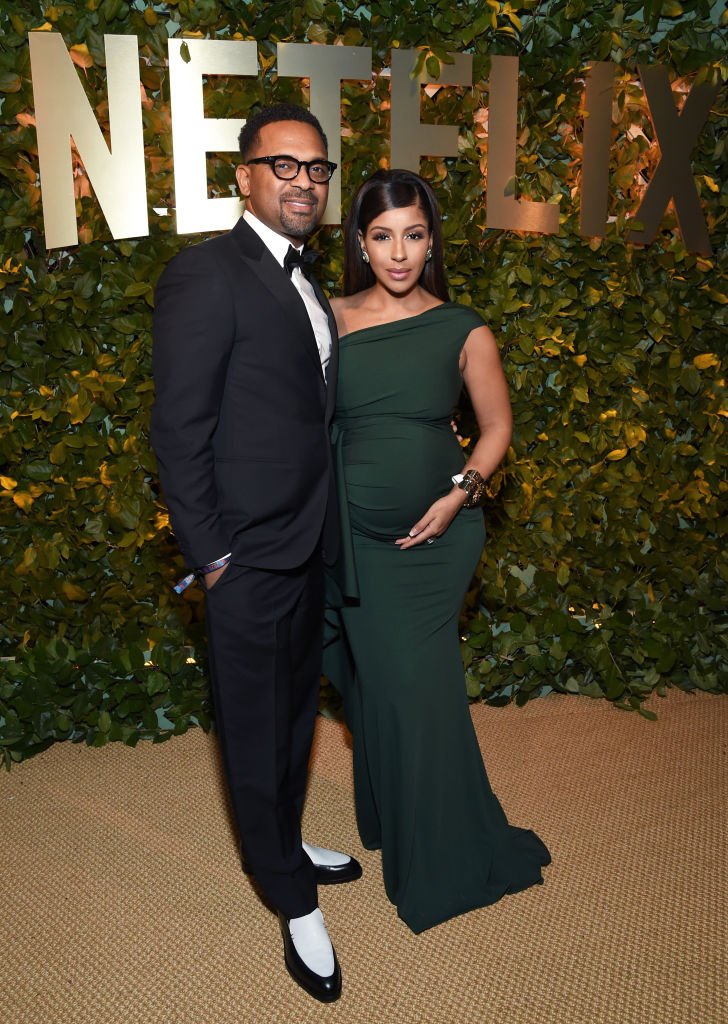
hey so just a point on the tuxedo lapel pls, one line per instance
(258, 258)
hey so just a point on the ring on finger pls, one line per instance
(430, 540)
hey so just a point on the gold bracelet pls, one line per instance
(474, 486)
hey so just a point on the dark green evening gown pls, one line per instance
(422, 793)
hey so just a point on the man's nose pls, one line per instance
(308, 183)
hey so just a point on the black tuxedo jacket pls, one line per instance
(241, 414)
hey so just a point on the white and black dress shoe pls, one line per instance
(310, 958)
(332, 867)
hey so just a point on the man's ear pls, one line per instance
(242, 176)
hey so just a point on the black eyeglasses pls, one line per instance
(287, 167)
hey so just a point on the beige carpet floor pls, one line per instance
(122, 901)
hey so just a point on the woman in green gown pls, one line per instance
(412, 536)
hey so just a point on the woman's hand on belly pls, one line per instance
(435, 520)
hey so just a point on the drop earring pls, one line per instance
(428, 255)
(365, 255)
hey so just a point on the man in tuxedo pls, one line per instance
(245, 361)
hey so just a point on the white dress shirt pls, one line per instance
(277, 245)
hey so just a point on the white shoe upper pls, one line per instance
(326, 858)
(312, 943)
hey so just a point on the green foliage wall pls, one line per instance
(604, 572)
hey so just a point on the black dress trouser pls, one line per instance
(265, 634)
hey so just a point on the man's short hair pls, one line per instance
(248, 138)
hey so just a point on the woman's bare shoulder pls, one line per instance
(345, 309)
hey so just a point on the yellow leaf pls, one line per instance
(78, 407)
(105, 476)
(58, 453)
(710, 183)
(707, 359)
(23, 500)
(617, 453)
(580, 360)
(72, 592)
(634, 434)
(79, 55)
(29, 559)
(8, 483)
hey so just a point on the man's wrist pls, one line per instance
(202, 571)
(217, 564)
(210, 579)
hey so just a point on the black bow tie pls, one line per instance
(304, 260)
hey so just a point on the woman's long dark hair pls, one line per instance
(392, 190)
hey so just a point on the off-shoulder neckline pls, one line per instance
(393, 323)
